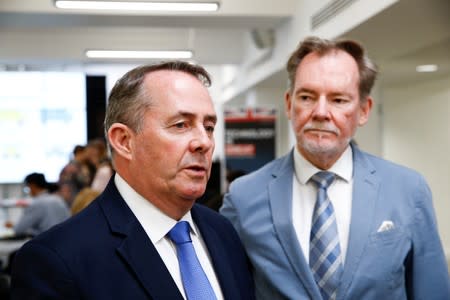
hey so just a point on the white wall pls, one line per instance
(369, 137)
(417, 134)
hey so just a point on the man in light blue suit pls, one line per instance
(385, 243)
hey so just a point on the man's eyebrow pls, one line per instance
(190, 115)
(310, 91)
(211, 118)
(304, 90)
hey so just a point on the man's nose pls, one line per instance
(321, 109)
(202, 140)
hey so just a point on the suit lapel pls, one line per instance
(218, 255)
(143, 258)
(280, 198)
(136, 248)
(365, 193)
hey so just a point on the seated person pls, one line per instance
(83, 199)
(47, 209)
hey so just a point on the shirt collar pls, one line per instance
(155, 223)
(343, 167)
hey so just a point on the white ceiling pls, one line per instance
(407, 34)
(36, 34)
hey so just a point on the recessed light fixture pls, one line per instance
(171, 54)
(426, 68)
(201, 6)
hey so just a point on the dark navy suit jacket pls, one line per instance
(104, 253)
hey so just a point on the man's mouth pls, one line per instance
(196, 170)
(321, 131)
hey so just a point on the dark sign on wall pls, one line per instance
(249, 138)
(95, 106)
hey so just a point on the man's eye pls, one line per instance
(180, 125)
(305, 97)
(209, 128)
(339, 100)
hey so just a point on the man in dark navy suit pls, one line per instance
(159, 124)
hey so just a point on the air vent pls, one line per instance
(329, 11)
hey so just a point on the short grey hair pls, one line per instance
(128, 100)
(367, 69)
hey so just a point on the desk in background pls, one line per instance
(8, 246)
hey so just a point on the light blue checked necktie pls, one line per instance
(195, 282)
(325, 253)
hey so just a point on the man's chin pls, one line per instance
(320, 148)
(193, 193)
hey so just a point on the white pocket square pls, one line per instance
(385, 226)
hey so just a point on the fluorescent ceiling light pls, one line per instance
(426, 68)
(171, 54)
(139, 5)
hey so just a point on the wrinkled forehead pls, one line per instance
(178, 91)
(335, 68)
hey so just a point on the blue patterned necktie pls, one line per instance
(325, 253)
(195, 282)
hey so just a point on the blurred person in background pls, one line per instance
(96, 151)
(83, 199)
(46, 209)
(75, 175)
(97, 154)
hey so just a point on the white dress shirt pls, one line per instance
(156, 224)
(304, 195)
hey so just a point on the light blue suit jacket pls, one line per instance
(406, 262)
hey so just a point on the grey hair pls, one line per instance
(367, 69)
(128, 100)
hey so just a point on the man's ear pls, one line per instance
(366, 107)
(287, 104)
(120, 138)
